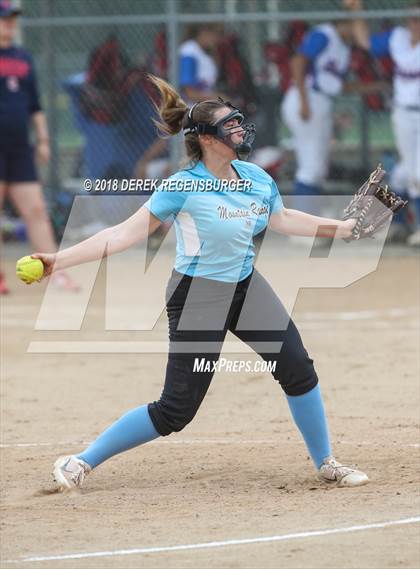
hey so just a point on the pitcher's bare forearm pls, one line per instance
(110, 240)
(295, 222)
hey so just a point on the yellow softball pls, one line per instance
(29, 270)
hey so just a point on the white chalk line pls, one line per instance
(358, 314)
(307, 321)
(250, 442)
(161, 347)
(304, 324)
(395, 312)
(216, 544)
(302, 317)
(16, 322)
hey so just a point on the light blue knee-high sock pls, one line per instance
(309, 415)
(132, 429)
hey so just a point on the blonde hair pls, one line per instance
(173, 113)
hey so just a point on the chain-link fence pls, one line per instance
(91, 56)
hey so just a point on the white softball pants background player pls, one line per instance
(311, 138)
(406, 125)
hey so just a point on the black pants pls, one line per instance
(200, 312)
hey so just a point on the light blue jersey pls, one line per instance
(215, 228)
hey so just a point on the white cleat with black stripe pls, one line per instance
(333, 472)
(69, 472)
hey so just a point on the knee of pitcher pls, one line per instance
(299, 382)
(180, 424)
(166, 421)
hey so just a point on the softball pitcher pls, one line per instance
(402, 44)
(215, 254)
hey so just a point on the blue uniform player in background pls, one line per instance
(214, 287)
(402, 44)
(198, 69)
(20, 110)
(319, 72)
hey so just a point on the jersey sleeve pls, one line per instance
(163, 203)
(276, 203)
(188, 71)
(313, 43)
(34, 103)
(380, 43)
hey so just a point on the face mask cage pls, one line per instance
(223, 133)
(244, 148)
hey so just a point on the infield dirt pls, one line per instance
(239, 470)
